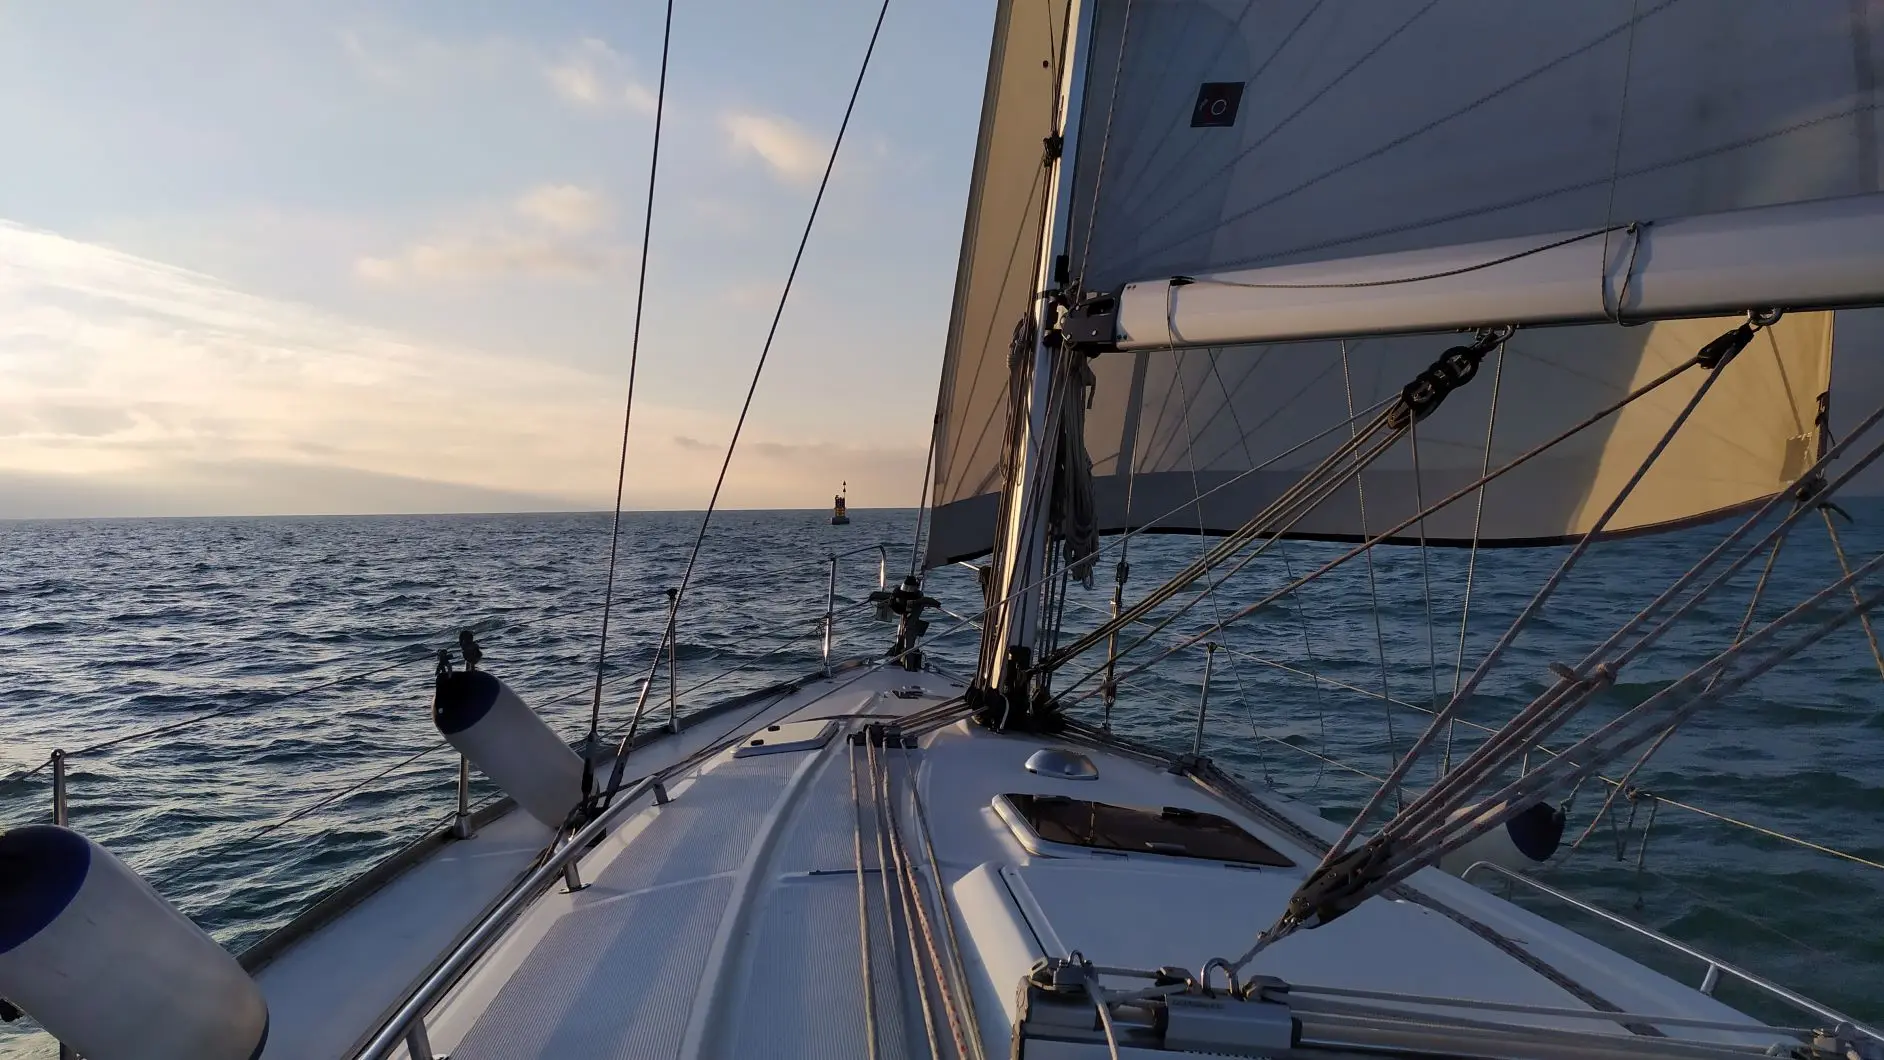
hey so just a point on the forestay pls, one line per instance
(1226, 134)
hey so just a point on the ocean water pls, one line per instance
(311, 639)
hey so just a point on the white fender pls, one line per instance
(107, 966)
(1520, 844)
(501, 735)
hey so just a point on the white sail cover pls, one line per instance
(1373, 126)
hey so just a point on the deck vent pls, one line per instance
(1062, 762)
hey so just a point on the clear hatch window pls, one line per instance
(1171, 831)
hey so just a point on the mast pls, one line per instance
(1022, 537)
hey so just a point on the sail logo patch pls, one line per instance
(1217, 102)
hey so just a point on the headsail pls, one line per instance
(1528, 121)
(1000, 250)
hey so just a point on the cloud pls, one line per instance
(478, 258)
(123, 371)
(545, 234)
(136, 387)
(594, 76)
(785, 149)
(255, 487)
(393, 57)
(565, 207)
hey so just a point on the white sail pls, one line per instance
(1000, 251)
(1529, 120)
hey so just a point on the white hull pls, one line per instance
(725, 922)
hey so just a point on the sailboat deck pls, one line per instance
(725, 922)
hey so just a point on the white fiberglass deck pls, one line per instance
(725, 922)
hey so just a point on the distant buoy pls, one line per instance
(1520, 844)
(492, 726)
(107, 966)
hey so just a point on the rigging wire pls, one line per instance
(1864, 619)
(1397, 852)
(1426, 578)
(1242, 436)
(1373, 589)
(628, 409)
(1401, 848)
(1544, 749)
(1615, 168)
(1512, 465)
(1309, 490)
(1308, 656)
(1740, 634)
(752, 389)
(1471, 562)
(1542, 596)
(1210, 588)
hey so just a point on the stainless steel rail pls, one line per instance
(830, 603)
(58, 788)
(1715, 966)
(408, 1022)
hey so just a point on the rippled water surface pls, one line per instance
(315, 636)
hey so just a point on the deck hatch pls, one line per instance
(1043, 822)
(790, 736)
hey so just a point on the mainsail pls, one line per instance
(1221, 135)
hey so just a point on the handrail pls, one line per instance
(1715, 966)
(399, 1025)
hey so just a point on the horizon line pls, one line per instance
(423, 515)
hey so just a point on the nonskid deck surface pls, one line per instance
(726, 921)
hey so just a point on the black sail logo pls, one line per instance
(1217, 102)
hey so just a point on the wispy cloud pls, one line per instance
(135, 387)
(595, 76)
(395, 57)
(566, 207)
(481, 258)
(787, 150)
(548, 231)
(126, 367)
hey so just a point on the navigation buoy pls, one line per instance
(1520, 844)
(492, 726)
(107, 966)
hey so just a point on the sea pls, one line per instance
(244, 701)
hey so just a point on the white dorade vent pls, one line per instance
(790, 736)
(1063, 763)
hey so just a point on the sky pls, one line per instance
(262, 257)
